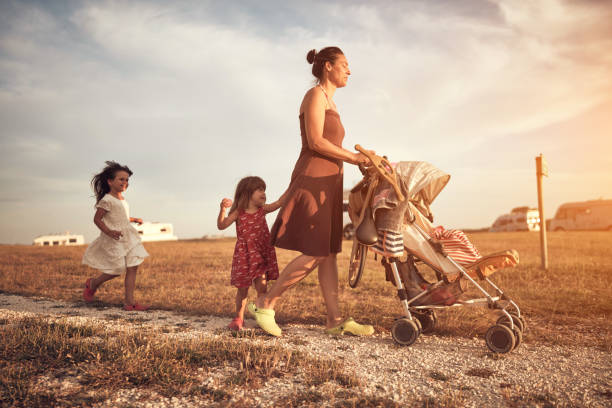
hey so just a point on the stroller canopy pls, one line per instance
(421, 181)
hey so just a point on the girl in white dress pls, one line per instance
(119, 248)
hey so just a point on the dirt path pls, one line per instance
(443, 370)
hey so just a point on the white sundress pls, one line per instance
(110, 255)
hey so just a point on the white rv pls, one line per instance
(586, 215)
(348, 229)
(65, 238)
(519, 219)
(155, 231)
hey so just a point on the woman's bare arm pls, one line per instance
(314, 117)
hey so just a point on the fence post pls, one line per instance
(542, 170)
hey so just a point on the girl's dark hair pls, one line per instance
(99, 182)
(244, 190)
(318, 59)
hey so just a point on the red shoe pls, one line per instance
(135, 307)
(236, 324)
(88, 294)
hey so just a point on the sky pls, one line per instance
(195, 95)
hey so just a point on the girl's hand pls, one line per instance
(114, 234)
(226, 203)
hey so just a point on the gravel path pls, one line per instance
(443, 370)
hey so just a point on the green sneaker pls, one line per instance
(352, 327)
(265, 319)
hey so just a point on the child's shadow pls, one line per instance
(98, 305)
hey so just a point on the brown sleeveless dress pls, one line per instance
(311, 220)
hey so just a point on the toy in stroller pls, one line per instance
(393, 219)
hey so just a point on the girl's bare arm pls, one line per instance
(223, 222)
(276, 204)
(100, 212)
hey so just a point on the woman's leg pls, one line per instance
(130, 284)
(241, 297)
(328, 281)
(294, 272)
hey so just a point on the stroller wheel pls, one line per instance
(517, 321)
(518, 337)
(405, 331)
(357, 264)
(500, 339)
(522, 319)
(419, 326)
(428, 320)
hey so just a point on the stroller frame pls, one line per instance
(504, 336)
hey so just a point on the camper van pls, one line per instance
(348, 229)
(155, 231)
(586, 215)
(519, 219)
(65, 238)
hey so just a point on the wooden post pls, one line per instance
(542, 170)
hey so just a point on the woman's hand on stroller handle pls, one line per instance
(382, 166)
(363, 157)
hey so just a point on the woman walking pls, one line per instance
(310, 221)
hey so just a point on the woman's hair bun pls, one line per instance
(310, 57)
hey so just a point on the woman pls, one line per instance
(310, 220)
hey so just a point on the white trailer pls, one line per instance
(519, 219)
(155, 231)
(585, 215)
(65, 238)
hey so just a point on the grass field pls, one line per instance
(569, 303)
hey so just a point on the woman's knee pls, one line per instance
(329, 259)
(319, 260)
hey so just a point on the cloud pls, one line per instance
(195, 95)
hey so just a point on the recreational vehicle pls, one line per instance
(586, 215)
(519, 219)
(65, 238)
(155, 231)
(348, 229)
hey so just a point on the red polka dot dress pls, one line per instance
(254, 254)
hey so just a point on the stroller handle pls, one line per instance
(384, 168)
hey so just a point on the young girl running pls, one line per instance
(118, 249)
(254, 261)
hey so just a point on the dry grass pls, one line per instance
(34, 351)
(569, 303)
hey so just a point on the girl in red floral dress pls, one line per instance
(254, 262)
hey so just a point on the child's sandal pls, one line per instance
(88, 293)
(236, 324)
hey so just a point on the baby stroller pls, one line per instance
(379, 198)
